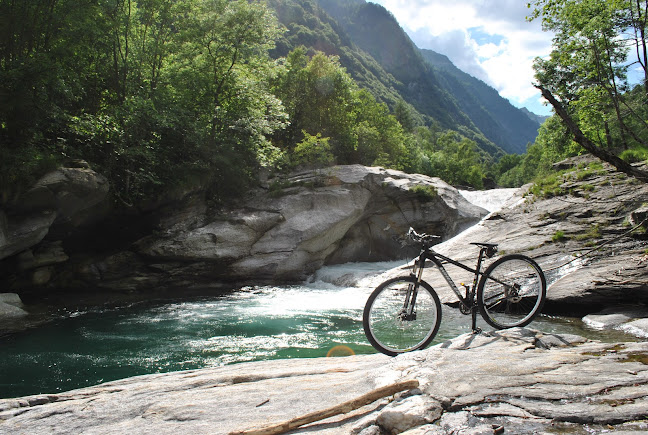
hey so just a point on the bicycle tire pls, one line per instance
(511, 292)
(391, 335)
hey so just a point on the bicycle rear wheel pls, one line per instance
(511, 292)
(384, 324)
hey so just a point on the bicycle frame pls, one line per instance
(509, 292)
(437, 259)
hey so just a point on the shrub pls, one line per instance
(635, 155)
(559, 236)
(313, 150)
(424, 192)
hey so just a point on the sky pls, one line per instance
(488, 39)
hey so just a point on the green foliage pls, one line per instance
(635, 155)
(424, 193)
(155, 95)
(549, 186)
(162, 94)
(313, 151)
(559, 236)
(451, 157)
(594, 44)
(593, 232)
(322, 99)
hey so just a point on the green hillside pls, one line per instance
(167, 96)
(381, 58)
(495, 116)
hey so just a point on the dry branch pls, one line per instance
(342, 408)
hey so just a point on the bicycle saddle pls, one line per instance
(485, 245)
(491, 248)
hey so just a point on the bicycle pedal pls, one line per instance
(477, 331)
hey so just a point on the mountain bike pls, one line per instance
(404, 313)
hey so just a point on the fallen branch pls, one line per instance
(342, 408)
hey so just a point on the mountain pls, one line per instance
(540, 119)
(381, 57)
(495, 116)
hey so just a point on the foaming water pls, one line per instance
(249, 324)
(491, 200)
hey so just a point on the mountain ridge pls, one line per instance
(382, 58)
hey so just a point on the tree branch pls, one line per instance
(583, 141)
(342, 408)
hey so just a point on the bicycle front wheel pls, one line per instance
(388, 329)
(511, 292)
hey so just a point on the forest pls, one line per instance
(161, 95)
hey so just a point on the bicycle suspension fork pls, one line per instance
(409, 312)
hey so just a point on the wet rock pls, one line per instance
(637, 327)
(616, 317)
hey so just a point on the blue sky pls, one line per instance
(488, 39)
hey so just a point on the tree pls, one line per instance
(322, 99)
(152, 93)
(585, 78)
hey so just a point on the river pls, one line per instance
(315, 319)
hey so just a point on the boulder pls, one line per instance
(640, 216)
(11, 307)
(21, 233)
(72, 192)
(59, 202)
(308, 219)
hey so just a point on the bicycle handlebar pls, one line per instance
(425, 239)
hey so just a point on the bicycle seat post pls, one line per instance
(473, 308)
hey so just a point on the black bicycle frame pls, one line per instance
(438, 259)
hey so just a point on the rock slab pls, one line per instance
(515, 381)
(582, 237)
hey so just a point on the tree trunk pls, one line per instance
(583, 141)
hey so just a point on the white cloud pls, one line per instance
(488, 39)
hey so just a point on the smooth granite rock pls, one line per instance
(595, 211)
(514, 381)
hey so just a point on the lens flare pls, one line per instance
(340, 350)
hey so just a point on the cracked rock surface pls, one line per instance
(512, 381)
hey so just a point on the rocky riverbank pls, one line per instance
(517, 381)
(60, 237)
(588, 232)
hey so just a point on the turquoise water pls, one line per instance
(249, 324)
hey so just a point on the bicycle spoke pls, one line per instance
(393, 328)
(511, 292)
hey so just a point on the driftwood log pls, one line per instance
(342, 408)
